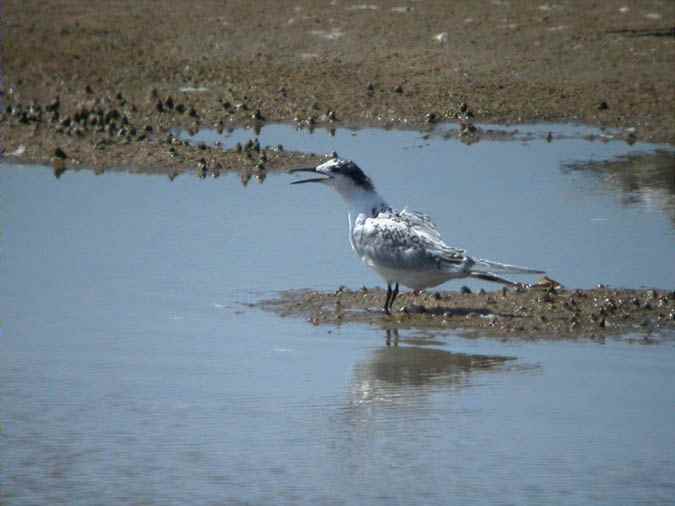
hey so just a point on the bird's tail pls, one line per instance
(488, 276)
(481, 269)
(482, 265)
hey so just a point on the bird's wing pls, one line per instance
(422, 222)
(404, 240)
(426, 228)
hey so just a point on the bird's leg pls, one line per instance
(386, 301)
(394, 294)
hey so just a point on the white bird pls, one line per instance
(404, 247)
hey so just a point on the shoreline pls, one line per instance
(540, 312)
(159, 151)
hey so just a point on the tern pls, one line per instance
(404, 247)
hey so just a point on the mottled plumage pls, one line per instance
(404, 247)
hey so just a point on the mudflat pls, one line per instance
(541, 311)
(104, 81)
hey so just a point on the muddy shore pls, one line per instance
(104, 81)
(527, 313)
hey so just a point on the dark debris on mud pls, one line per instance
(107, 132)
(530, 313)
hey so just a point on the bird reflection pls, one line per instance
(396, 375)
(392, 337)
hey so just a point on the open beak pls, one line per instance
(311, 179)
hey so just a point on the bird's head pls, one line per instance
(342, 175)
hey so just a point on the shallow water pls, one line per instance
(132, 370)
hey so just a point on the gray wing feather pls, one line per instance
(405, 239)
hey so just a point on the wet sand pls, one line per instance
(527, 313)
(213, 64)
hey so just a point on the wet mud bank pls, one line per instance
(102, 81)
(110, 133)
(528, 313)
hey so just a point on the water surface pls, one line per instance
(132, 370)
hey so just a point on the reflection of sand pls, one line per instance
(647, 181)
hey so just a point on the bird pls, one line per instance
(404, 247)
